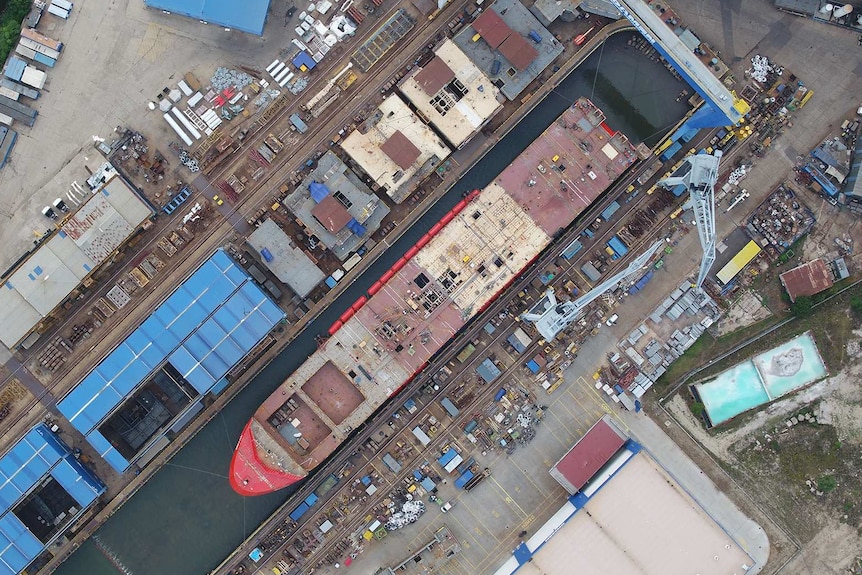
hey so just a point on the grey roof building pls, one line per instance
(284, 259)
(507, 50)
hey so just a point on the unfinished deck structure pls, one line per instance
(418, 305)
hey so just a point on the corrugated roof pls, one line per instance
(400, 150)
(588, 456)
(204, 328)
(247, 16)
(518, 51)
(807, 279)
(331, 214)
(434, 76)
(739, 261)
(491, 27)
(37, 455)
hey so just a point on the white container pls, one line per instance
(64, 4)
(59, 12)
(34, 77)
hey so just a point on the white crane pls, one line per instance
(552, 317)
(698, 174)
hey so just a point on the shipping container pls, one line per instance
(34, 77)
(591, 272)
(5, 120)
(617, 247)
(59, 12)
(43, 59)
(449, 407)
(572, 249)
(22, 50)
(609, 211)
(20, 88)
(670, 151)
(192, 81)
(64, 4)
(297, 122)
(42, 39)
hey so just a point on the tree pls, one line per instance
(826, 483)
(856, 305)
(803, 306)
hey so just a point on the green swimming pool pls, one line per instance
(767, 376)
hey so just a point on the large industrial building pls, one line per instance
(334, 204)
(51, 274)
(625, 515)
(155, 380)
(44, 490)
(512, 47)
(395, 148)
(452, 94)
(247, 16)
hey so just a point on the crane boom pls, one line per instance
(552, 317)
(698, 173)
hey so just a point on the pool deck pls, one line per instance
(750, 384)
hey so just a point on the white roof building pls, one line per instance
(49, 274)
(453, 94)
(395, 148)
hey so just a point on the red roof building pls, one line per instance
(518, 51)
(434, 76)
(807, 279)
(588, 456)
(331, 214)
(491, 28)
(400, 150)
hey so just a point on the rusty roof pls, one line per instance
(331, 214)
(400, 150)
(434, 76)
(518, 51)
(807, 279)
(588, 456)
(492, 28)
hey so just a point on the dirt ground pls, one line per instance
(800, 458)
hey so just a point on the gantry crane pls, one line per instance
(552, 317)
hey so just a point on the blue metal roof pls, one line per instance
(15, 68)
(36, 455)
(210, 322)
(248, 16)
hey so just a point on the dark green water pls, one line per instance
(187, 519)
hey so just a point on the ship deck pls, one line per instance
(453, 273)
(567, 167)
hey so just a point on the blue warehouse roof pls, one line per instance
(37, 455)
(203, 329)
(248, 16)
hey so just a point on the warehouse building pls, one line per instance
(395, 148)
(52, 273)
(627, 516)
(44, 490)
(452, 94)
(247, 16)
(808, 279)
(155, 381)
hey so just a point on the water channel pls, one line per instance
(187, 519)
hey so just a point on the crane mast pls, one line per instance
(698, 173)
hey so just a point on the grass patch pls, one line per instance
(12, 14)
